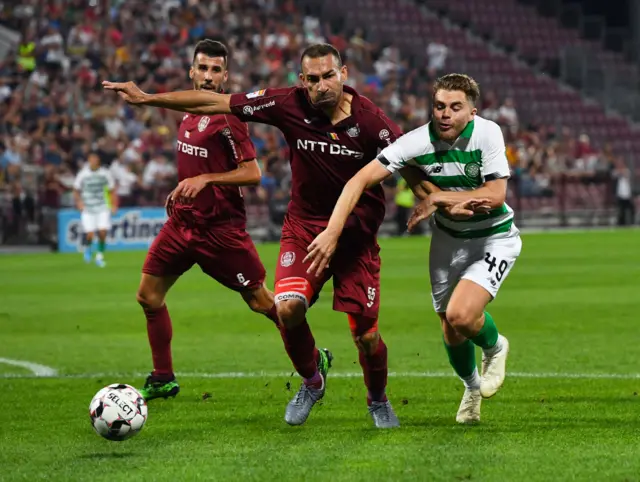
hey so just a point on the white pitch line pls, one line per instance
(238, 375)
(37, 369)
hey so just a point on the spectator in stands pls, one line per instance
(53, 111)
(624, 193)
(159, 176)
(436, 58)
(507, 114)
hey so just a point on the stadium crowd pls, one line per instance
(53, 110)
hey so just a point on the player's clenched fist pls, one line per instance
(129, 91)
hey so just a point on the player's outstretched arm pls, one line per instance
(416, 181)
(247, 173)
(193, 101)
(322, 248)
(493, 193)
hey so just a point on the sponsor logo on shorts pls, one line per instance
(257, 93)
(202, 125)
(250, 110)
(287, 259)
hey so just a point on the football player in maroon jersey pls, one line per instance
(332, 131)
(207, 219)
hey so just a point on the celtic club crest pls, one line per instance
(472, 171)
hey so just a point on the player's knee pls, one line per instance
(461, 318)
(258, 305)
(364, 331)
(291, 312)
(368, 343)
(149, 299)
(260, 300)
(450, 335)
(292, 300)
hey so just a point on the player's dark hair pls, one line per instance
(211, 48)
(460, 82)
(316, 51)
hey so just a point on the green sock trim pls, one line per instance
(101, 244)
(462, 358)
(487, 337)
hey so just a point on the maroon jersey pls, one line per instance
(323, 156)
(210, 144)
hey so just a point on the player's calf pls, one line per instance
(464, 314)
(150, 296)
(102, 241)
(87, 247)
(373, 360)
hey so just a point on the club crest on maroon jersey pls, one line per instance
(202, 125)
(287, 259)
(353, 131)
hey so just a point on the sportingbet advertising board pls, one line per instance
(131, 228)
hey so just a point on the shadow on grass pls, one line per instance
(108, 456)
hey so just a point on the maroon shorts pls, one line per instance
(226, 253)
(355, 269)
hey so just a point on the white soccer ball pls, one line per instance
(118, 412)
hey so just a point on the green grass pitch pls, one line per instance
(569, 410)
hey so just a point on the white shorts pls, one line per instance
(485, 261)
(97, 221)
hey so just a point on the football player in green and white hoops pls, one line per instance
(464, 159)
(93, 191)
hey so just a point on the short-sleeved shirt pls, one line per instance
(213, 144)
(324, 156)
(477, 156)
(94, 187)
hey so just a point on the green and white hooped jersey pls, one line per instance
(477, 156)
(94, 187)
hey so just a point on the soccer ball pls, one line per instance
(118, 412)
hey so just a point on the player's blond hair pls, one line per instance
(460, 82)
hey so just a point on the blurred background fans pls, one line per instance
(561, 78)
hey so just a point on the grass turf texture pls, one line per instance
(569, 307)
